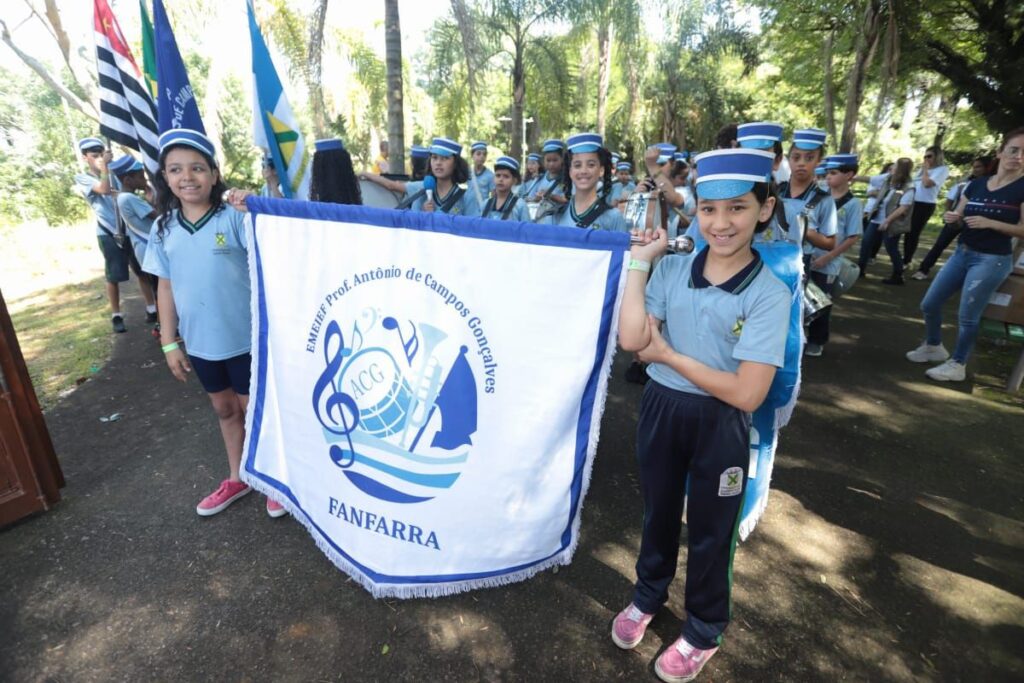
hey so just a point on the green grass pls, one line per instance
(64, 333)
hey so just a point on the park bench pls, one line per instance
(996, 329)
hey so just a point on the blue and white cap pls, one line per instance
(759, 135)
(728, 173)
(615, 157)
(553, 146)
(666, 150)
(122, 166)
(419, 152)
(507, 163)
(820, 169)
(478, 145)
(90, 143)
(837, 160)
(680, 156)
(445, 147)
(185, 136)
(623, 166)
(809, 138)
(327, 144)
(533, 156)
(584, 142)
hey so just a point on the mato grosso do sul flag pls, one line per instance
(427, 389)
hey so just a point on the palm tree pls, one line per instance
(393, 58)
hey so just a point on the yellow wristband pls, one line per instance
(173, 346)
(642, 266)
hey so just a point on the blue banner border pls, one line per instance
(478, 228)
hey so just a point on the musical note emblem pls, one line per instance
(410, 346)
(336, 410)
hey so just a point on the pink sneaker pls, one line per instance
(682, 662)
(275, 509)
(629, 627)
(226, 494)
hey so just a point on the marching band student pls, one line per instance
(334, 180)
(533, 161)
(713, 325)
(198, 249)
(841, 168)
(420, 161)
(448, 169)
(589, 164)
(820, 173)
(992, 212)
(622, 186)
(549, 186)
(802, 198)
(138, 215)
(482, 179)
(504, 204)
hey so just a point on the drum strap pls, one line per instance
(506, 210)
(587, 219)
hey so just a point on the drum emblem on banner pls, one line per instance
(397, 401)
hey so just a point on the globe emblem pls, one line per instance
(373, 379)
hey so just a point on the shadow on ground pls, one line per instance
(891, 549)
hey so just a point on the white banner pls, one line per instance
(427, 390)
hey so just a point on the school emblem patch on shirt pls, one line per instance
(737, 328)
(222, 239)
(731, 482)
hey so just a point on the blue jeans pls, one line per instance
(975, 275)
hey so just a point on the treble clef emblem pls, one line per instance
(336, 410)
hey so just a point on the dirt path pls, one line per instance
(891, 549)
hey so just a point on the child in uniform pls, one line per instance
(589, 163)
(137, 214)
(333, 179)
(713, 326)
(482, 179)
(504, 204)
(420, 161)
(197, 247)
(802, 198)
(622, 186)
(840, 171)
(549, 187)
(448, 169)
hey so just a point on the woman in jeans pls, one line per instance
(927, 185)
(992, 212)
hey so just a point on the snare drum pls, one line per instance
(815, 301)
(376, 196)
(635, 212)
(533, 209)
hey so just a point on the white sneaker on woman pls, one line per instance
(927, 353)
(950, 371)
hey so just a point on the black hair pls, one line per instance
(848, 168)
(514, 172)
(334, 181)
(761, 191)
(726, 136)
(460, 174)
(94, 148)
(604, 157)
(166, 202)
(822, 151)
(777, 149)
(679, 167)
(420, 166)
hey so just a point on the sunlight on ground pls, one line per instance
(37, 257)
(963, 596)
(485, 642)
(823, 547)
(982, 524)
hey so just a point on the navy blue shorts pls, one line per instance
(218, 375)
(115, 258)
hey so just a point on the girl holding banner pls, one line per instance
(713, 325)
(198, 249)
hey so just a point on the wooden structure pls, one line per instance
(30, 476)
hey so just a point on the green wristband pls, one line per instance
(173, 346)
(637, 264)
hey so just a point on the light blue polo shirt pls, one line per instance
(609, 220)
(208, 267)
(552, 187)
(466, 206)
(743, 319)
(102, 204)
(620, 191)
(484, 181)
(849, 223)
(519, 211)
(135, 212)
(822, 218)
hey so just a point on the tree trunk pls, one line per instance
(830, 98)
(867, 42)
(633, 83)
(518, 98)
(396, 116)
(314, 73)
(469, 49)
(604, 69)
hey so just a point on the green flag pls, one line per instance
(148, 51)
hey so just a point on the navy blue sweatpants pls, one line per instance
(689, 437)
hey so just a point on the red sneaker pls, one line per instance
(275, 509)
(682, 662)
(226, 494)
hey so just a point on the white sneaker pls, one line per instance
(926, 353)
(919, 276)
(950, 371)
